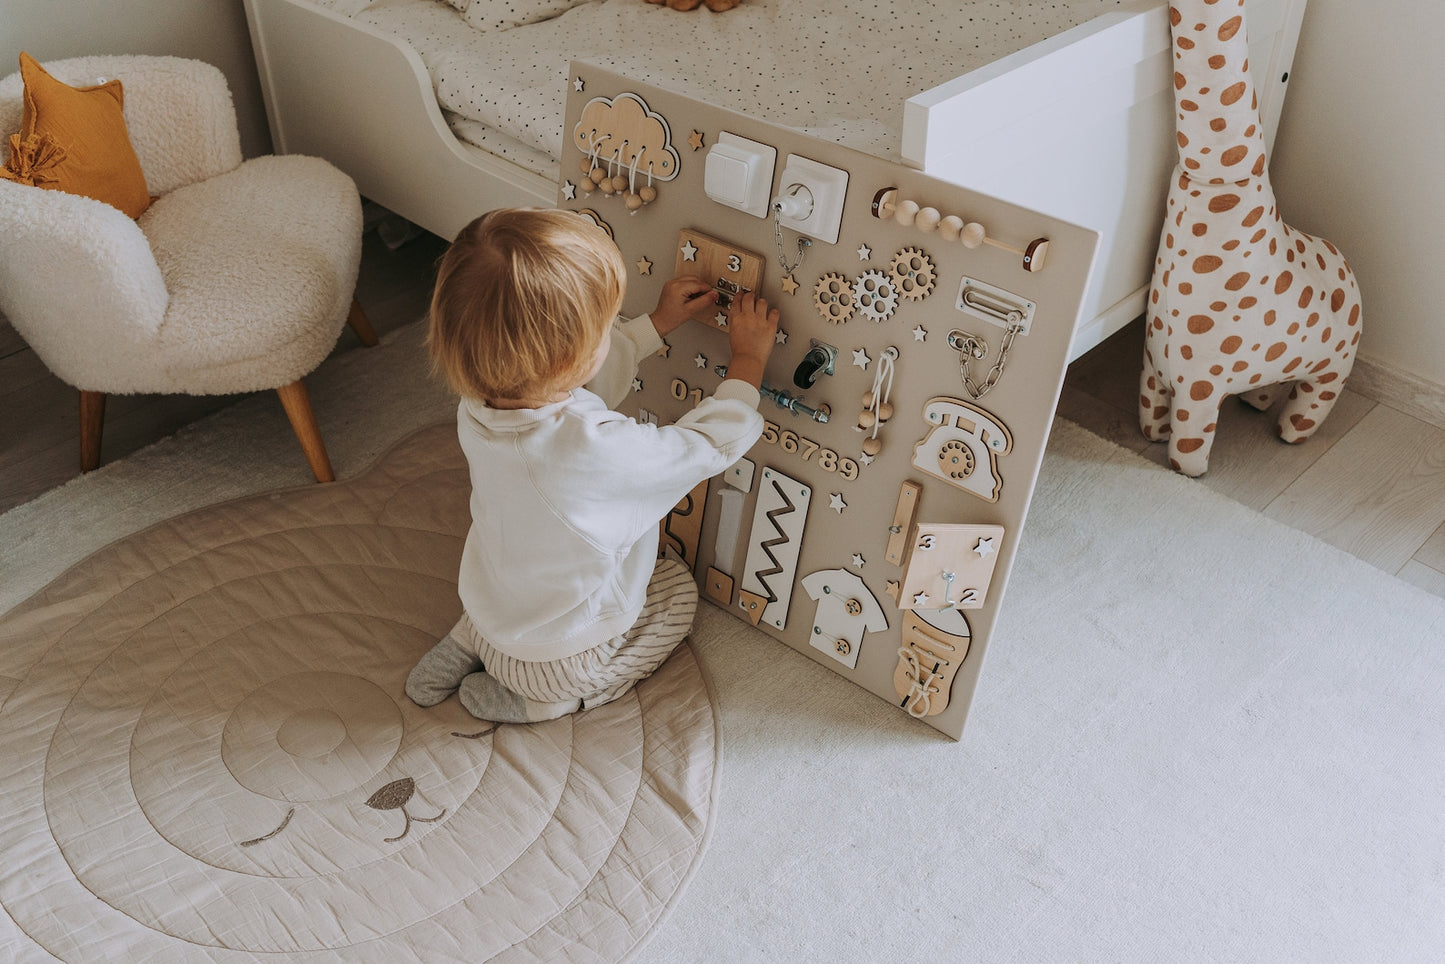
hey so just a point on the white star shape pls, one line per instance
(637, 384)
(864, 252)
(984, 548)
(721, 318)
(857, 561)
(836, 502)
(865, 458)
(860, 358)
(920, 333)
(781, 337)
(569, 190)
(700, 361)
(577, 85)
(689, 251)
(920, 599)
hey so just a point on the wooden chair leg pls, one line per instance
(359, 324)
(303, 422)
(92, 421)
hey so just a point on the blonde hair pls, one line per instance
(522, 302)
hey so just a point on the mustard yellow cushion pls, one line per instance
(74, 139)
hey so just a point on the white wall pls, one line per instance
(1360, 160)
(210, 30)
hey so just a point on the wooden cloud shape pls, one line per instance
(624, 131)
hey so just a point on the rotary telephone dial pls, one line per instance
(963, 447)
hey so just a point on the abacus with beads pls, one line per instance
(951, 227)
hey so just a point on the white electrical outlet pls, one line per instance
(810, 198)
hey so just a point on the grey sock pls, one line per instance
(487, 699)
(438, 674)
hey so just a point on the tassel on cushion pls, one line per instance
(33, 160)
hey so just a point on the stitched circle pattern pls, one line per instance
(211, 753)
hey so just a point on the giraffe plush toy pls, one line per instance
(1240, 303)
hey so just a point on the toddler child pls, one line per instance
(565, 604)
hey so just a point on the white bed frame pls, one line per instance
(1079, 126)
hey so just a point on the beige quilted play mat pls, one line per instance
(209, 754)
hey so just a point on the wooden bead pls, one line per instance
(872, 446)
(598, 175)
(632, 201)
(973, 234)
(648, 194)
(605, 186)
(927, 219)
(619, 184)
(585, 166)
(866, 419)
(885, 411)
(907, 211)
(867, 399)
(950, 226)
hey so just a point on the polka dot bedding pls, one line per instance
(840, 72)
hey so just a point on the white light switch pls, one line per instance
(739, 173)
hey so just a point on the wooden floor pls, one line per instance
(1371, 481)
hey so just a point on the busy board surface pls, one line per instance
(908, 399)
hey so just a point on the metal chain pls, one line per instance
(972, 345)
(803, 244)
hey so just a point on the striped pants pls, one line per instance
(607, 671)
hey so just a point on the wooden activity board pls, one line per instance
(908, 399)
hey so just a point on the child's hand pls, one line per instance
(752, 333)
(682, 298)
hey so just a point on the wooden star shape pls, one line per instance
(665, 350)
(864, 252)
(984, 548)
(637, 384)
(781, 337)
(892, 588)
(861, 359)
(920, 333)
(920, 599)
(695, 139)
(700, 360)
(689, 251)
(790, 284)
(865, 458)
(857, 561)
(569, 190)
(577, 85)
(721, 318)
(836, 503)
(644, 266)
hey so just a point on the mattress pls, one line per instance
(843, 76)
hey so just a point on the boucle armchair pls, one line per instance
(237, 278)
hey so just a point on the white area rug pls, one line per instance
(1200, 735)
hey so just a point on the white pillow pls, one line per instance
(489, 15)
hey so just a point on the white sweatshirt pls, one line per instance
(566, 501)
